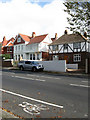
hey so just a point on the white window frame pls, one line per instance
(77, 57)
(77, 45)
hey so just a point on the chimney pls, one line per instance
(85, 34)
(33, 34)
(4, 38)
(55, 36)
(66, 32)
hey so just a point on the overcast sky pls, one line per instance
(27, 16)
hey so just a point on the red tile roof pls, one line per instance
(37, 39)
(25, 37)
(4, 42)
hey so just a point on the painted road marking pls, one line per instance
(85, 81)
(29, 98)
(41, 76)
(79, 85)
(32, 108)
(29, 78)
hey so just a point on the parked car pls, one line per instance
(30, 65)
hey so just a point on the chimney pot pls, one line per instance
(66, 32)
(55, 35)
(85, 34)
(33, 34)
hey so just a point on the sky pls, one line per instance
(27, 16)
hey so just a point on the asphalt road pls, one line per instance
(42, 95)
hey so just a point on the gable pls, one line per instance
(17, 40)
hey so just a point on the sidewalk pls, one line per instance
(5, 114)
(68, 73)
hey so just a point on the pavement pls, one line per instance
(5, 114)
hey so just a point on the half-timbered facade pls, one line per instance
(74, 48)
(31, 48)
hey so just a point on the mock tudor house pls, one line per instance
(31, 48)
(74, 48)
(7, 47)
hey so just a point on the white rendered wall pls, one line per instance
(56, 66)
(43, 46)
(72, 66)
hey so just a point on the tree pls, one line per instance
(79, 16)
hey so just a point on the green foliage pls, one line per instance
(7, 56)
(79, 16)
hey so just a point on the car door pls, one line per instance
(30, 65)
(26, 66)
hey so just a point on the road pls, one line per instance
(38, 94)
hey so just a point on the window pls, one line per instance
(77, 58)
(22, 56)
(22, 47)
(65, 46)
(55, 57)
(38, 56)
(33, 56)
(19, 57)
(55, 47)
(7, 49)
(19, 40)
(27, 62)
(19, 47)
(16, 57)
(10, 48)
(30, 56)
(77, 45)
(16, 48)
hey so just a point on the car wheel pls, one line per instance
(21, 68)
(34, 69)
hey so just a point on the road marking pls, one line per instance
(84, 81)
(29, 78)
(29, 98)
(41, 76)
(33, 109)
(79, 85)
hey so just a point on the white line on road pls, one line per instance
(84, 81)
(40, 101)
(42, 76)
(79, 85)
(29, 78)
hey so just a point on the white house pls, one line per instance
(31, 48)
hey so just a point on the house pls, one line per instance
(74, 48)
(7, 48)
(31, 47)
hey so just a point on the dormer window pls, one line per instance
(19, 40)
